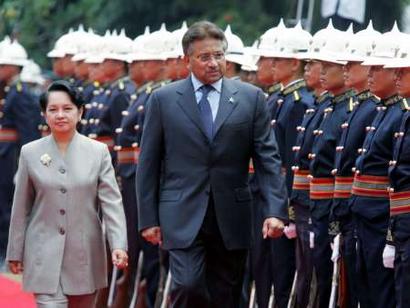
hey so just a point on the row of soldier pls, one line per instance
(339, 114)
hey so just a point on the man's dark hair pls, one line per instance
(202, 30)
(63, 86)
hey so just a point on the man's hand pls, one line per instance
(272, 227)
(119, 258)
(152, 235)
(16, 267)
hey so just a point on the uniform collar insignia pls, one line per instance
(392, 100)
(342, 97)
(294, 87)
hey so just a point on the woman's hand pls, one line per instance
(119, 258)
(16, 267)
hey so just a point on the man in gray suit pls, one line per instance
(192, 180)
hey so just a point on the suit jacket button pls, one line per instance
(63, 190)
(62, 212)
(61, 231)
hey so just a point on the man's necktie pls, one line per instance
(206, 111)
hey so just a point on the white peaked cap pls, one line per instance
(267, 40)
(31, 72)
(361, 45)
(234, 53)
(177, 35)
(154, 46)
(386, 47)
(12, 53)
(328, 44)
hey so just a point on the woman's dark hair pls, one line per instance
(202, 30)
(63, 86)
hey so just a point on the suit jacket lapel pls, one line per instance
(227, 104)
(189, 105)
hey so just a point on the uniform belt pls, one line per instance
(399, 203)
(251, 168)
(128, 155)
(322, 188)
(107, 140)
(370, 186)
(8, 135)
(343, 187)
(301, 180)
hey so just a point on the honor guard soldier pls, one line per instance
(327, 136)
(395, 254)
(300, 199)
(117, 95)
(249, 66)
(280, 55)
(361, 111)
(234, 54)
(64, 49)
(146, 69)
(261, 254)
(97, 100)
(85, 46)
(370, 197)
(19, 120)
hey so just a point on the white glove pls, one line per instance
(311, 240)
(290, 231)
(335, 249)
(389, 253)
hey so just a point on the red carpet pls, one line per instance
(11, 295)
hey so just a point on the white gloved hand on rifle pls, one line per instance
(335, 248)
(290, 231)
(389, 254)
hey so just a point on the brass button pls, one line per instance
(62, 170)
(61, 230)
(62, 212)
(63, 190)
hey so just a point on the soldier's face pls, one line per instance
(68, 66)
(312, 74)
(331, 77)
(265, 71)
(7, 72)
(153, 70)
(403, 82)
(206, 60)
(136, 72)
(171, 69)
(82, 70)
(61, 114)
(58, 67)
(355, 75)
(182, 68)
(284, 69)
(382, 81)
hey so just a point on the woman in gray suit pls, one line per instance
(63, 182)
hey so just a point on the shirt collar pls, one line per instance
(217, 85)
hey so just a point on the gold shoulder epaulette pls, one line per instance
(19, 86)
(352, 104)
(404, 104)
